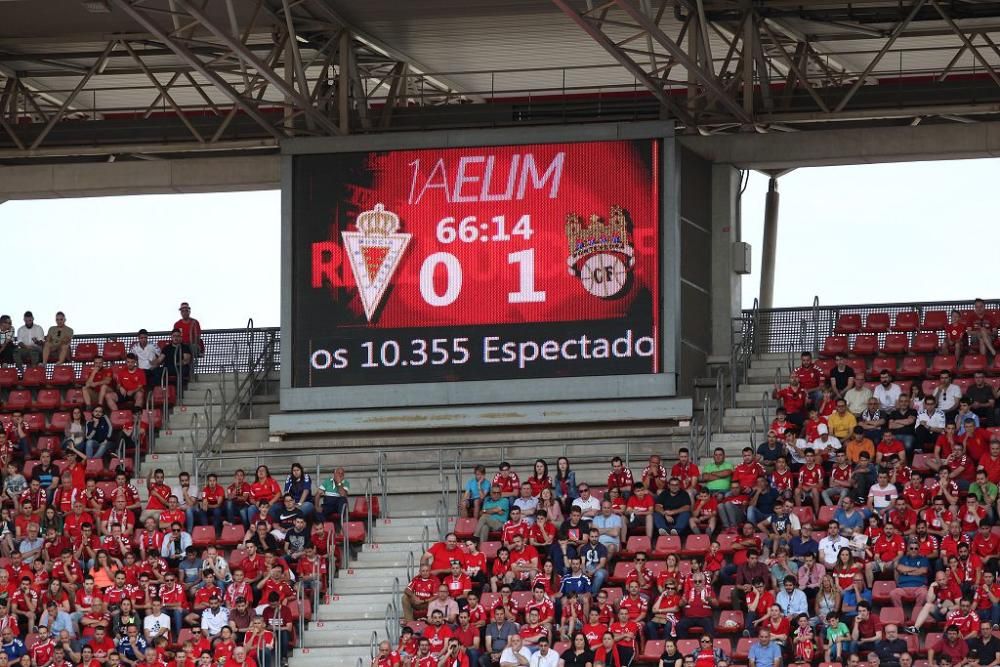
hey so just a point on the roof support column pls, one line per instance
(769, 248)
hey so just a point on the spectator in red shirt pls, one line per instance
(190, 329)
(982, 328)
(419, 592)
(747, 472)
(129, 385)
(793, 400)
(810, 377)
(97, 383)
(686, 471)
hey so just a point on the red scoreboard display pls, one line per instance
(476, 263)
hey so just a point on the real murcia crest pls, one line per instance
(374, 252)
(600, 252)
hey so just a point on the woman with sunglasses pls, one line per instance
(664, 613)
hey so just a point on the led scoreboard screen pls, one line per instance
(480, 263)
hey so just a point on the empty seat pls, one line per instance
(860, 369)
(58, 422)
(907, 321)
(730, 622)
(877, 322)
(155, 416)
(972, 363)
(34, 377)
(121, 418)
(47, 399)
(925, 342)
(63, 375)
(895, 343)
(913, 367)
(805, 514)
(114, 351)
(171, 394)
(826, 513)
(465, 527)
(834, 345)
(880, 364)
(49, 443)
(865, 345)
(232, 534)
(651, 652)
(880, 593)
(726, 541)
(8, 377)
(696, 545)
(85, 352)
(848, 323)
(203, 536)
(18, 400)
(667, 544)
(637, 544)
(825, 366)
(940, 363)
(935, 320)
(72, 399)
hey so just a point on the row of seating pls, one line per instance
(58, 375)
(47, 400)
(111, 350)
(906, 322)
(913, 366)
(57, 421)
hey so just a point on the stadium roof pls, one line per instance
(84, 80)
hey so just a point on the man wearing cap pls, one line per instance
(190, 329)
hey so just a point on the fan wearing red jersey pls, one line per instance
(419, 592)
(129, 384)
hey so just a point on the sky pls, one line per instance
(846, 234)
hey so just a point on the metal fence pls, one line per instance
(797, 329)
(222, 347)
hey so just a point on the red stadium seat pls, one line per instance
(925, 342)
(95, 468)
(848, 323)
(47, 399)
(730, 622)
(895, 343)
(891, 614)
(236, 556)
(860, 369)
(49, 443)
(726, 541)
(880, 591)
(18, 400)
(877, 322)
(113, 351)
(185, 635)
(805, 515)
(865, 345)
(913, 367)
(355, 532)
(155, 415)
(63, 375)
(171, 395)
(941, 362)
(920, 462)
(72, 399)
(696, 545)
(465, 527)
(687, 646)
(726, 595)
(651, 652)
(8, 377)
(935, 320)
(490, 549)
(742, 651)
(830, 664)
(34, 377)
(972, 363)
(834, 345)
(931, 639)
(826, 513)
(121, 418)
(85, 352)
(667, 544)
(963, 384)
(520, 599)
(562, 647)
(907, 321)
(232, 534)
(638, 544)
(203, 536)
(359, 512)
(29, 467)
(622, 569)
(880, 364)
(724, 644)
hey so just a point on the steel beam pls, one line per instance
(652, 85)
(200, 67)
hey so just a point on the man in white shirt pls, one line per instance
(929, 425)
(857, 398)
(947, 394)
(588, 503)
(515, 654)
(156, 623)
(830, 546)
(826, 445)
(214, 617)
(187, 497)
(527, 503)
(887, 392)
(545, 656)
(145, 351)
(30, 339)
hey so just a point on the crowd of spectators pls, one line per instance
(96, 573)
(860, 532)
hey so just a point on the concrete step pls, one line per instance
(342, 656)
(347, 602)
(381, 546)
(353, 585)
(353, 636)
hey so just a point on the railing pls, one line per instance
(783, 325)
(765, 408)
(393, 626)
(346, 555)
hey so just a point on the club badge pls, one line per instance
(375, 251)
(600, 252)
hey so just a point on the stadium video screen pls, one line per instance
(488, 263)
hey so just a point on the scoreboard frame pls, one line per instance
(561, 390)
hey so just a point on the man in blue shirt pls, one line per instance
(12, 646)
(575, 580)
(132, 646)
(803, 544)
(493, 513)
(477, 489)
(850, 518)
(764, 652)
(853, 596)
(790, 599)
(911, 576)
(761, 505)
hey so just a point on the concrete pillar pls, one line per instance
(770, 245)
(726, 293)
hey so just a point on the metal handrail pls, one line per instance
(344, 516)
(331, 566)
(719, 403)
(707, 414)
(425, 539)
(764, 405)
(383, 481)
(373, 643)
(370, 526)
(815, 345)
(300, 600)
(411, 565)
(166, 399)
(440, 517)
(394, 627)
(753, 433)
